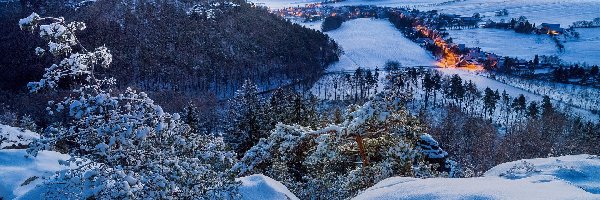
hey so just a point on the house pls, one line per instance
(552, 29)
(521, 64)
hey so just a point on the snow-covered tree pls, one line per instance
(121, 145)
(245, 115)
(375, 141)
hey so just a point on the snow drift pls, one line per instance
(259, 186)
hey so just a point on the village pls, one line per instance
(428, 29)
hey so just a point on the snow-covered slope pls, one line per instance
(259, 186)
(564, 12)
(12, 136)
(565, 177)
(369, 43)
(17, 172)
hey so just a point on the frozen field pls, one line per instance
(508, 43)
(564, 12)
(369, 43)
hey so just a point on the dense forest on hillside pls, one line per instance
(188, 46)
(178, 51)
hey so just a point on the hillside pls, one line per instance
(202, 47)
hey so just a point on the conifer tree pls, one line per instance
(122, 146)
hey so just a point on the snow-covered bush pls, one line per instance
(122, 145)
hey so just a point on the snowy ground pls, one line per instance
(566, 177)
(11, 136)
(564, 12)
(16, 169)
(482, 82)
(259, 186)
(508, 43)
(369, 43)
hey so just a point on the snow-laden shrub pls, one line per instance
(121, 145)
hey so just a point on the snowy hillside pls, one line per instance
(21, 177)
(14, 137)
(565, 177)
(564, 12)
(369, 43)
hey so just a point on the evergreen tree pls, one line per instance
(506, 105)
(245, 113)
(489, 101)
(547, 107)
(428, 86)
(532, 110)
(457, 91)
(519, 104)
(122, 146)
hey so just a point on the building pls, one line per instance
(552, 29)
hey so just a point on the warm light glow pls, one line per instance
(449, 59)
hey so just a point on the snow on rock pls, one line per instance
(21, 177)
(431, 148)
(259, 186)
(15, 137)
(582, 171)
(565, 177)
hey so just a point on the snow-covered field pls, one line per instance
(369, 43)
(566, 177)
(508, 43)
(564, 12)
